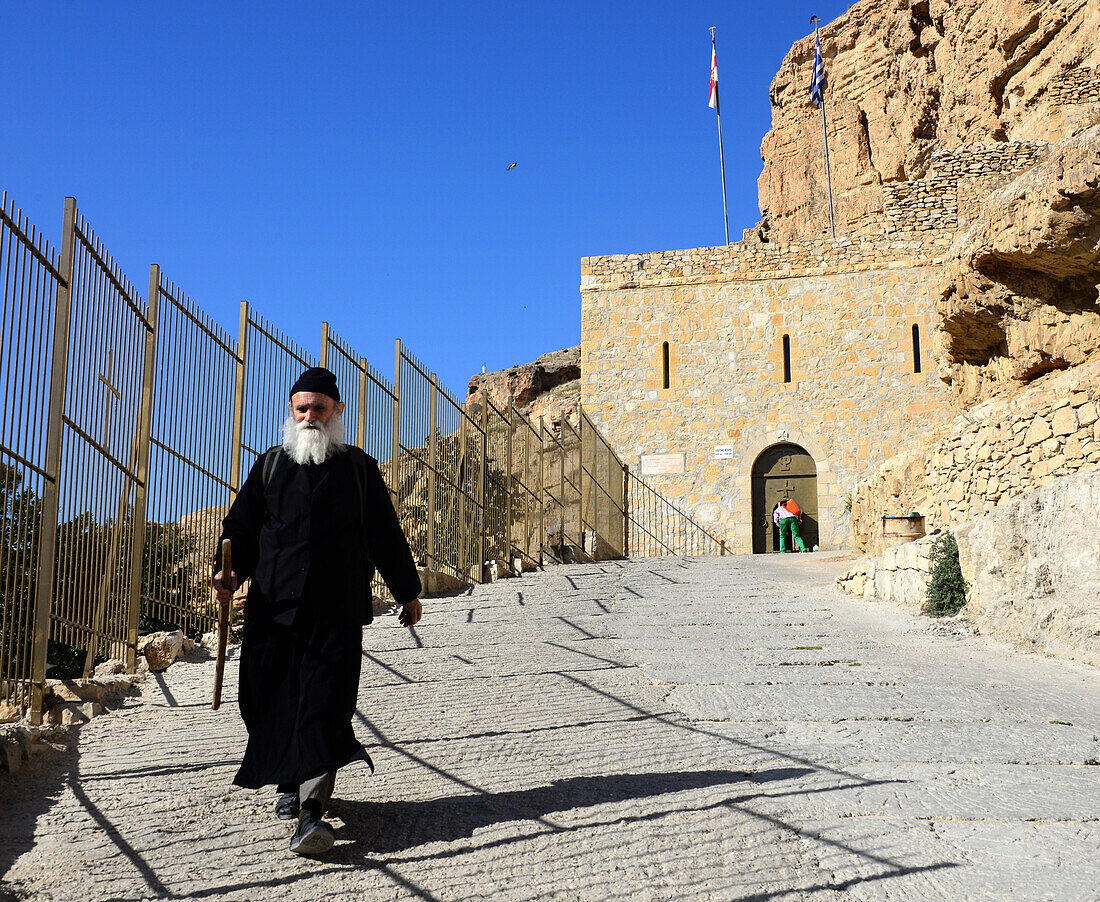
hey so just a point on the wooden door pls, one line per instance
(781, 472)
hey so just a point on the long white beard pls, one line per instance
(313, 444)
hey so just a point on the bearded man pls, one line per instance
(310, 524)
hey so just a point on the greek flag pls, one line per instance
(817, 80)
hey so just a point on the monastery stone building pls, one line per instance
(731, 377)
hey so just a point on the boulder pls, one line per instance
(12, 752)
(110, 667)
(161, 649)
(69, 713)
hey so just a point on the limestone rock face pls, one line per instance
(1019, 290)
(549, 386)
(909, 77)
(1034, 569)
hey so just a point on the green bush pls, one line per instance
(947, 589)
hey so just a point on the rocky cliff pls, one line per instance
(910, 78)
(1020, 286)
(549, 387)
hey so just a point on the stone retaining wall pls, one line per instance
(994, 452)
(1079, 85)
(900, 575)
(950, 196)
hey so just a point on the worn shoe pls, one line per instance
(313, 836)
(286, 806)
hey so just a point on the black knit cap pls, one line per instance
(317, 379)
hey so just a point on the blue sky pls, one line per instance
(348, 161)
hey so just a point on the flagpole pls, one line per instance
(721, 150)
(825, 132)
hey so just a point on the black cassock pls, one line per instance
(310, 541)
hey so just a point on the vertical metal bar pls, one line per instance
(47, 554)
(626, 511)
(525, 426)
(238, 405)
(561, 481)
(433, 463)
(137, 550)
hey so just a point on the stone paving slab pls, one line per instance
(997, 742)
(648, 730)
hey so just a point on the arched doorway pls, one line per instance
(780, 472)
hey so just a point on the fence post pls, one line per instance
(361, 432)
(561, 480)
(47, 547)
(237, 437)
(582, 507)
(324, 344)
(433, 461)
(542, 493)
(396, 451)
(482, 486)
(141, 490)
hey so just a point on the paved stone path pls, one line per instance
(656, 729)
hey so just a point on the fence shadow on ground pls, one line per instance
(388, 827)
(24, 798)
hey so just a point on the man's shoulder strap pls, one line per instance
(271, 460)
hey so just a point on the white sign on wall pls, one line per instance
(662, 464)
(723, 452)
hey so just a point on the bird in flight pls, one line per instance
(510, 168)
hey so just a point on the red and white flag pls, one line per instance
(713, 77)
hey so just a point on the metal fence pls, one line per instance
(130, 423)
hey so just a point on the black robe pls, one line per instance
(310, 541)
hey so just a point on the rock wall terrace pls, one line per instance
(991, 454)
(1075, 86)
(951, 195)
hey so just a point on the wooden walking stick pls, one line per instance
(223, 624)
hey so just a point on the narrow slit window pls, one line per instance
(666, 372)
(916, 348)
(786, 358)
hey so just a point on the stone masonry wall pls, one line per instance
(993, 453)
(1075, 86)
(755, 260)
(951, 195)
(854, 400)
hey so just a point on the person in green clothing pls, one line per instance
(788, 517)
